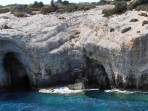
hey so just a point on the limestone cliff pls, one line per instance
(61, 49)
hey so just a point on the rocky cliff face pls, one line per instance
(61, 49)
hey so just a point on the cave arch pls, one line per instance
(16, 72)
(97, 76)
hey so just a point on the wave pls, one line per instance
(60, 90)
(124, 91)
(64, 90)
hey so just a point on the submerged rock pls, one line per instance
(78, 49)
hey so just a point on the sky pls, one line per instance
(6, 2)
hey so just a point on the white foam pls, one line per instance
(64, 90)
(124, 91)
(60, 90)
(119, 91)
(90, 89)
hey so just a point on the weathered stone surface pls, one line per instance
(77, 49)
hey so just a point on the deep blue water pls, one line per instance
(89, 101)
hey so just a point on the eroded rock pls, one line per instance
(81, 48)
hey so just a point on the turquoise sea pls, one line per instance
(88, 101)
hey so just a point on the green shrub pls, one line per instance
(32, 13)
(142, 7)
(47, 9)
(4, 10)
(126, 30)
(102, 2)
(19, 8)
(135, 4)
(65, 2)
(85, 6)
(108, 13)
(33, 9)
(20, 14)
(120, 7)
(69, 8)
(37, 5)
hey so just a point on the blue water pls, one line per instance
(89, 101)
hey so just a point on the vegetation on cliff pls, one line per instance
(39, 7)
(122, 6)
(60, 6)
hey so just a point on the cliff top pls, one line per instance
(85, 25)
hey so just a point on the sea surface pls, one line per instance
(84, 101)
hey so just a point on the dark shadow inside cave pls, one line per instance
(96, 76)
(16, 72)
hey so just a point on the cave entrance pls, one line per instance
(16, 71)
(96, 75)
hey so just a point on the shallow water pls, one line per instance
(88, 101)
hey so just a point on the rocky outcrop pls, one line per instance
(80, 47)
